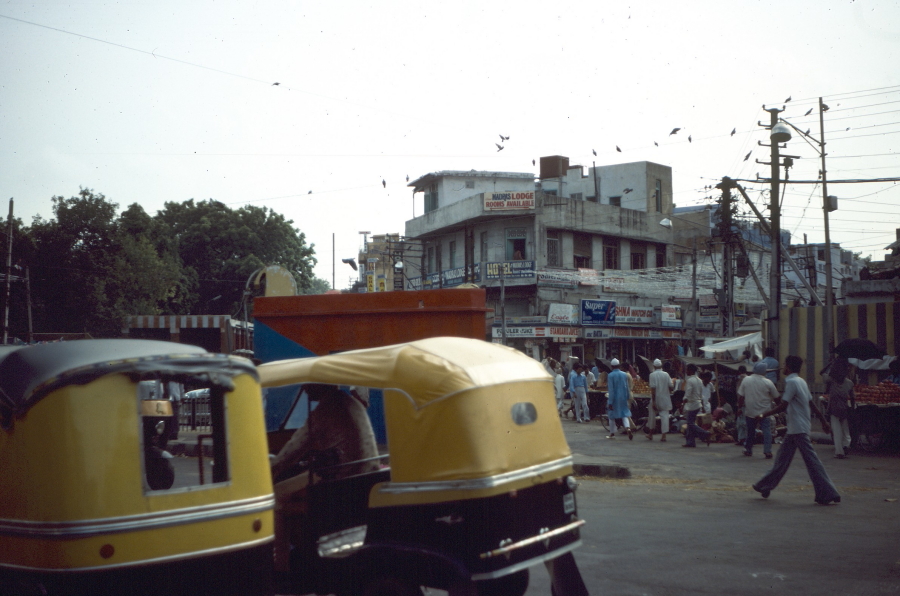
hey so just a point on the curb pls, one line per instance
(601, 471)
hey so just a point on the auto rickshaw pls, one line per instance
(479, 487)
(90, 505)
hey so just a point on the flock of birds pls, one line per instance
(503, 139)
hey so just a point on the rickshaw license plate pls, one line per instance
(569, 503)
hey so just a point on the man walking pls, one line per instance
(798, 402)
(617, 399)
(660, 401)
(756, 394)
(578, 387)
(693, 401)
(771, 365)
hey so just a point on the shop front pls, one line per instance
(542, 340)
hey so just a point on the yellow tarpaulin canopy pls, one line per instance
(425, 370)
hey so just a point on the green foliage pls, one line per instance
(315, 285)
(90, 268)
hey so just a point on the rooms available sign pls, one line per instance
(503, 201)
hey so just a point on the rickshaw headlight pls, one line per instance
(571, 483)
(160, 427)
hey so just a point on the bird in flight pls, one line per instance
(689, 139)
(788, 99)
(309, 193)
(655, 143)
(733, 130)
(746, 157)
(502, 138)
(808, 112)
(627, 190)
(407, 177)
(499, 146)
(532, 162)
(674, 130)
(275, 84)
(617, 149)
(594, 151)
(383, 183)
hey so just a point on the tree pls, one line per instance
(224, 246)
(316, 285)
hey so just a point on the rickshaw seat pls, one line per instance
(343, 503)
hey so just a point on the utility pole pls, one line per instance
(694, 309)
(726, 306)
(9, 236)
(826, 208)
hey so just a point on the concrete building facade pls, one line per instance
(552, 255)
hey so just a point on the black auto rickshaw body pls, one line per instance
(83, 509)
(479, 487)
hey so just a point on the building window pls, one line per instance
(615, 201)
(431, 199)
(638, 260)
(661, 255)
(452, 254)
(577, 195)
(611, 254)
(515, 244)
(431, 262)
(470, 184)
(658, 195)
(484, 248)
(553, 254)
(582, 250)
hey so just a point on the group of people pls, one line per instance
(758, 402)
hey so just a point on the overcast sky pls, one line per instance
(150, 102)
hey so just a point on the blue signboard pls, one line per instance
(598, 312)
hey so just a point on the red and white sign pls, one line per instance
(563, 314)
(504, 201)
(634, 315)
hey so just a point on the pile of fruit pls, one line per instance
(640, 387)
(884, 392)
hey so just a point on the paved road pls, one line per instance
(687, 522)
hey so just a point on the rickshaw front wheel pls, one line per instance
(514, 584)
(392, 586)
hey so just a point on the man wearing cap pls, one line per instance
(617, 400)
(661, 400)
(756, 394)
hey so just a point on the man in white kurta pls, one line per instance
(660, 400)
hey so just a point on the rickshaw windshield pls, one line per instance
(30, 373)
(426, 371)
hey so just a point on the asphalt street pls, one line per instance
(687, 522)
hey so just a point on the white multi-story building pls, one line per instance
(559, 253)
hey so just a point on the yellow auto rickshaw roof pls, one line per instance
(426, 370)
(29, 373)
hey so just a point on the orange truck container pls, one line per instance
(303, 326)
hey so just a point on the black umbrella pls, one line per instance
(859, 348)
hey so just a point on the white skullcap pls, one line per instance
(657, 363)
(615, 362)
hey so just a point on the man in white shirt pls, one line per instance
(660, 400)
(756, 394)
(693, 401)
(798, 403)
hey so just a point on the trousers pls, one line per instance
(825, 489)
(840, 430)
(766, 425)
(581, 405)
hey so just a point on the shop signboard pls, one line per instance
(588, 277)
(634, 315)
(598, 333)
(556, 279)
(613, 284)
(598, 312)
(370, 281)
(563, 314)
(382, 283)
(556, 332)
(511, 270)
(457, 275)
(709, 308)
(670, 315)
(505, 201)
